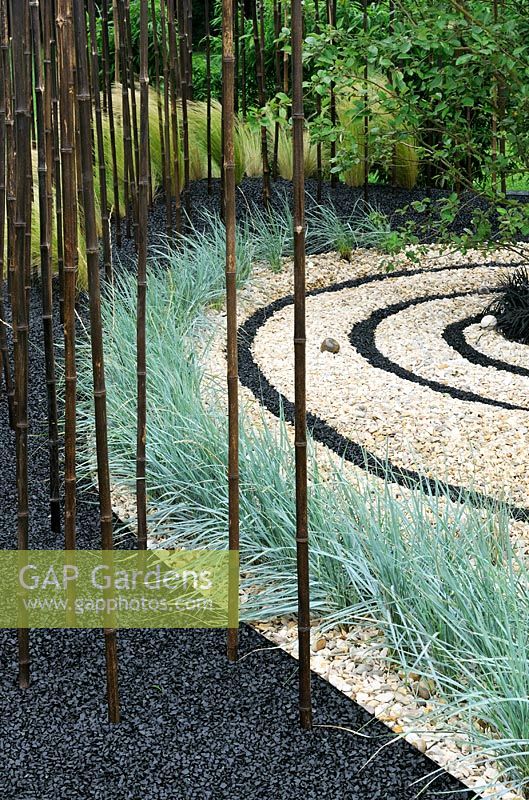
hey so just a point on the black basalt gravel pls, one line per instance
(194, 727)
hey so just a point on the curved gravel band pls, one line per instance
(454, 335)
(251, 376)
(362, 338)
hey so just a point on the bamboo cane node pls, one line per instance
(303, 629)
(300, 340)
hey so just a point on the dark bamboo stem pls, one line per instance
(96, 96)
(4, 351)
(66, 54)
(46, 270)
(96, 333)
(298, 121)
(141, 363)
(228, 60)
(21, 93)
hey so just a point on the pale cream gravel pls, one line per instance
(354, 660)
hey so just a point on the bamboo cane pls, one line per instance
(228, 60)
(65, 52)
(141, 365)
(96, 99)
(21, 92)
(46, 270)
(261, 92)
(96, 332)
(110, 114)
(4, 351)
(298, 119)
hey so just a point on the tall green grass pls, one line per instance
(437, 575)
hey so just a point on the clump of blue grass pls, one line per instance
(365, 226)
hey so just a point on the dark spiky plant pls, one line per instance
(511, 305)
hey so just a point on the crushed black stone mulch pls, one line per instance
(193, 726)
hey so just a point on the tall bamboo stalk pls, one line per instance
(208, 92)
(96, 99)
(21, 93)
(110, 114)
(4, 351)
(228, 94)
(66, 62)
(46, 270)
(141, 362)
(298, 121)
(261, 92)
(96, 332)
